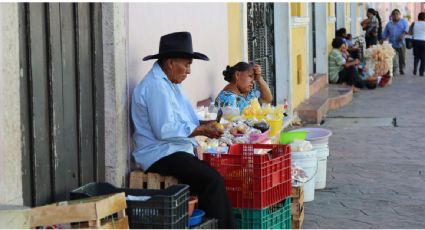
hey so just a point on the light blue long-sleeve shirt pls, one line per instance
(393, 31)
(163, 118)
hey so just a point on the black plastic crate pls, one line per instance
(207, 224)
(167, 208)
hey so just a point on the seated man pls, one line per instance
(341, 70)
(165, 124)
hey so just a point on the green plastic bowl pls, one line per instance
(288, 137)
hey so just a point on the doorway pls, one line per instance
(61, 98)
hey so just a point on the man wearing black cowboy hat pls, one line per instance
(165, 124)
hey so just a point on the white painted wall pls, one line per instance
(207, 22)
(354, 24)
(282, 17)
(116, 95)
(340, 15)
(310, 39)
(10, 119)
(321, 15)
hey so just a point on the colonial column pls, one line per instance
(116, 99)
(355, 24)
(321, 20)
(283, 52)
(10, 102)
(340, 15)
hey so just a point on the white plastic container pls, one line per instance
(319, 138)
(322, 153)
(308, 161)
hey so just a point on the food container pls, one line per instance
(196, 217)
(288, 137)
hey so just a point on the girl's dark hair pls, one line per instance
(371, 10)
(379, 23)
(341, 32)
(337, 42)
(229, 72)
(421, 16)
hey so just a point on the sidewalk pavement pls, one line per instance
(376, 174)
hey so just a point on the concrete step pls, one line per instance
(317, 82)
(313, 110)
(339, 96)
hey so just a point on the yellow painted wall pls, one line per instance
(299, 58)
(331, 26)
(358, 8)
(298, 9)
(331, 9)
(331, 35)
(234, 31)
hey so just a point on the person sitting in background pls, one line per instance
(351, 51)
(341, 33)
(341, 70)
(245, 83)
(349, 40)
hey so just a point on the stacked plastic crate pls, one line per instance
(258, 183)
(146, 208)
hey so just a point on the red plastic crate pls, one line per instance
(254, 180)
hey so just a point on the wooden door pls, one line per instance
(62, 98)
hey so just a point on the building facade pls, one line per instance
(298, 39)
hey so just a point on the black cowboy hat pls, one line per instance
(176, 45)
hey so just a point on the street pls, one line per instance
(376, 172)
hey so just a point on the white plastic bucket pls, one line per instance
(308, 161)
(319, 138)
(322, 153)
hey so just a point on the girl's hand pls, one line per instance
(257, 72)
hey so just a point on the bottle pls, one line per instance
(211, 108)
(285, 107)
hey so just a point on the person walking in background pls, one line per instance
(395, 31)
(373, 27)
(417, 30)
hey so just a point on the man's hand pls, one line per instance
(209, 129)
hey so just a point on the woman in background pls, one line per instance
(417, 30)
(373, 27)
